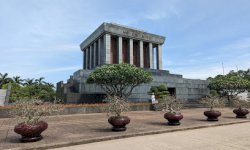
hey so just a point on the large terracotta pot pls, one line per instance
(173, 118)
(119, 122)
(241, 112)
(31, 133)
(212, 115)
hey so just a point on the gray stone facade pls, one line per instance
(4, 96)
(111, 44)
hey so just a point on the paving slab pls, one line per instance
(67, 130)
(230, 137)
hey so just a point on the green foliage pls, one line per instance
(30, 89)
(229, 85)
(4, 79)
(159, 91)
(119, 79)
(213, 93)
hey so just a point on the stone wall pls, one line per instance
(2, 96)
(186, 89)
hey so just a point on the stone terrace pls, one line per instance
(66, 130)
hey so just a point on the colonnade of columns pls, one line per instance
(110, 49)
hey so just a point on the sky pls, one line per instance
(41, 38)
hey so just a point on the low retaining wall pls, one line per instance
(6, 113)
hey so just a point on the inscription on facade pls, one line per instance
(136, 34)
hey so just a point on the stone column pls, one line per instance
(141, 54)
(99, 52)
(131, 61)
(159, 57)
(84, 58)
(151, 56)
(119, 50)
(87, 55)
(90, 56)
(106, 51)
(94, 53)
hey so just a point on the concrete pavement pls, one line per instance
(69, 130)
(230, 137)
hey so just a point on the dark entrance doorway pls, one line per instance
(172, 91)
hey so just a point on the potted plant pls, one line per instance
(30, 113)
(212, 102)
(241, 105)
(118, 82)
(171, 106)
(117, 105)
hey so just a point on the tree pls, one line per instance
(40, 81)
(119, 79)
(31, 89)
(4, 79)
(159, 91)
(29, 81)
(229, 85)
(17, 80)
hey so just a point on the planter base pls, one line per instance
(241, 113)
(119, 123)
(212, 115)
(241, 116)
(119, 129)
(174, 123)
(31, 139)
(212, 119)
(173, 118)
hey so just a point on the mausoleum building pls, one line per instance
(114, 44)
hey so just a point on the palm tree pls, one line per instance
(50, 85)
(40, 81)
(29, 81)
(4, 79)
(17, 80)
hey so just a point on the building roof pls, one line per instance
(124, 31)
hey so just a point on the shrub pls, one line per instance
(119, 79)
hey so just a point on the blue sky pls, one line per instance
(42, 38)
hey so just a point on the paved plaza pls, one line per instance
(230, 137)
(68, 130)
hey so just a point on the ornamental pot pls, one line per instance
(212, 115)
(119, 122)
(31, 132)
(241, 112)
(173, 118)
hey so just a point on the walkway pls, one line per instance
(68, 130)
(230, 137)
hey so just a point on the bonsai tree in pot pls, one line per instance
(30, 113)
(212, 102)
(117, 105)
(118, 82)
(240, 106)
(159, 92)
(171, 106)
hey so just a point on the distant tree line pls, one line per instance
(231, 84)
(29, 88)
